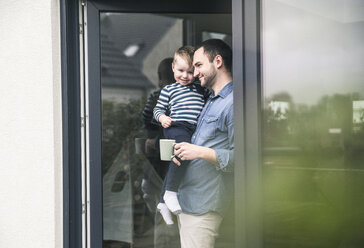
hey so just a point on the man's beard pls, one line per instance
(209, 79)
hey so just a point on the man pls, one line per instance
(206, 189)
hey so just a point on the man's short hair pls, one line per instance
(186, 53)
(214, 47)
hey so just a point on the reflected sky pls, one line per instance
(311, 50)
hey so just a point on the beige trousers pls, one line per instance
(199, 231)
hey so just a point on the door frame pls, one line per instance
(71, 123)
(247, 122)
(247, 89)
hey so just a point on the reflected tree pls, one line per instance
(313, 177)
(121, 123)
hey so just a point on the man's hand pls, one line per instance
(187, 151)
(165, 121)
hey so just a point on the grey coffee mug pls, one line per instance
(166, 147)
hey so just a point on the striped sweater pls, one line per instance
(184, 102)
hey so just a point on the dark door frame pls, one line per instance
(247, 122)
(247, 98)
(71, 123)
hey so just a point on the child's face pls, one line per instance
(183, 72)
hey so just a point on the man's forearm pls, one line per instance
(209, 155)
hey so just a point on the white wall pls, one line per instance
(30, 122)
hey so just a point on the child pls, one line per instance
(184, 99)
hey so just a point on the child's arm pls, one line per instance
(161, 108)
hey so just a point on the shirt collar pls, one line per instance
(225, 91)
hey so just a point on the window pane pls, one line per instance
(132, 47)
(313, 123)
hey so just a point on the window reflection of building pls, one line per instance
(358, 115)
(130, 54)
(279, 109)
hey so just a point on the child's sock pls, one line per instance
(166, 214)
(171, 200)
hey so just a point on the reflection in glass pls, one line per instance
(131, 183)
(313, 128)
(132, 47)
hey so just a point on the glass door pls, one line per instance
(129, 59)
(135, 61)
(313, 123)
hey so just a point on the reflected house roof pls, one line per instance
(119, 71)
(118, 31)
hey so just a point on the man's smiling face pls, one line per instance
(204, 69)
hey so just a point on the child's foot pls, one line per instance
(171, 200)
(166, 214)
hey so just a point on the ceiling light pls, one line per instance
(131, 50)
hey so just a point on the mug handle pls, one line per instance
(173, 150)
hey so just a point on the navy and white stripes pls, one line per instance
(184, 102)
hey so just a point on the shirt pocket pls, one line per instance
(209, 127)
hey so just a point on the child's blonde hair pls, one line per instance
(186, 53)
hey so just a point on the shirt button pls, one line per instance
(194, 136)
(203, 118)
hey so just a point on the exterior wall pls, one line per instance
(30, 121)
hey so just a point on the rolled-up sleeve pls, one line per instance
(225, 157)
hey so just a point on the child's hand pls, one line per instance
(165, 121)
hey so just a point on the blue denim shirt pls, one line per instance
(206, 187)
